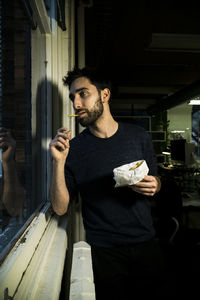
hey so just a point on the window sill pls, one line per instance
(28, 271)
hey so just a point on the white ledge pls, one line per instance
(82, 285)
(34, 267)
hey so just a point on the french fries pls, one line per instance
(136, 166)
(73, 115)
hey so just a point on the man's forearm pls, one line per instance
(13, 193)
(59, 194)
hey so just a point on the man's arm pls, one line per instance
(13, 194)
(59, 195)
(150, 184)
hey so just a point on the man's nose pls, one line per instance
(77, 103)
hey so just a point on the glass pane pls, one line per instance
(196, 130)
(15, 120)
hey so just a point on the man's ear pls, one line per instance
(105, 94)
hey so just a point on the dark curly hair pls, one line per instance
(95, 76)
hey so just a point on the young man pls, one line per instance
(125, 255)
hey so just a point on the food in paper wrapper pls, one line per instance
(129, 174)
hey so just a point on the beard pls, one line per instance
(92, 114)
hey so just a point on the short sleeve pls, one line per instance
(70, 182)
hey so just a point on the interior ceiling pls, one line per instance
(150, 49)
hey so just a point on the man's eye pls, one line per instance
(83, 94)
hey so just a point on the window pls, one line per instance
(33, 105)
(196, 130)
(15, 116)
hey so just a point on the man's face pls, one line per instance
(86, 101)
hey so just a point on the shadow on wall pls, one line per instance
(47, 118)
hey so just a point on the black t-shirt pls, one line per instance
(112, 216)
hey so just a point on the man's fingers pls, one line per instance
(146, 192)
(64, 133)
(60, 145)
(147, 186)
(63, 140)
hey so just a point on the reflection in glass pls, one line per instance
(12, 190)
(12, 194)
(15, 131)
(196, 130)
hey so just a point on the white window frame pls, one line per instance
(43, 237)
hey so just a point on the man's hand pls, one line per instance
(59, 146)
(148, 186)
(8, 145)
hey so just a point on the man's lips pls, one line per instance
(81, 113)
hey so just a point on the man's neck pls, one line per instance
(104, 128)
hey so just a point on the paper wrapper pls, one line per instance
(124, 176)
